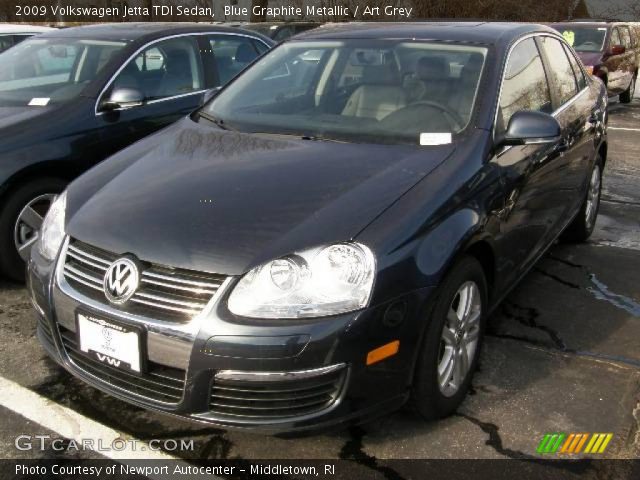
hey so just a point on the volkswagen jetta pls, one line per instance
(323, 241)
(70, 98)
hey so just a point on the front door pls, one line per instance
(573, 103)
(533, 202)
(169, 75)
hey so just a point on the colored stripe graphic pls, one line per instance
(598, 443)
(582, 442)
(550, 443)
(573, 443)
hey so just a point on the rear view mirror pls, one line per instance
(528, 127)
(123, 98)
(618, 49)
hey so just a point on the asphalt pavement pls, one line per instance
(561, 355)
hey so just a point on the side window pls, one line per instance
(5, 42)
(615, 38)
(231, 54)
(260, 47)
(283, 34)
(56, 59)
(150, 60)
(525, 85)
(561, 77)
(626, 38)
(165, 69)
(582, 81)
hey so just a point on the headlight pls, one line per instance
(313, 283)
(52, 230)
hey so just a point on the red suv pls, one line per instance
(609, 50)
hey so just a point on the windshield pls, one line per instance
(584, 38)
(356, 91)
(41, 72)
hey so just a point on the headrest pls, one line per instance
(178, 62)
(380, 74)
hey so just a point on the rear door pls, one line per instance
(629, 57)
(573, 106)
(534, 203)
(615, 65)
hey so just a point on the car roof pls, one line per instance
(141, 31)
(23, 28)
(586, 24)
(285, 23)
(467, 31)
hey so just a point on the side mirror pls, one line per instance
(528, 128)
(209, 94)
(617, 49)
(123, 98)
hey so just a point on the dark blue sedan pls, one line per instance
(324, 240)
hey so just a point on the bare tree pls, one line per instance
(506, 10)
(261, 17)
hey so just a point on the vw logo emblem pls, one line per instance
(121, 280)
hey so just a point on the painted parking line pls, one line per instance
(626, 129)
(71, 425)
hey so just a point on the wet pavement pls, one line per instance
(561, 355)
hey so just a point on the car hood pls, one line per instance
(10, 116)
(196, 197)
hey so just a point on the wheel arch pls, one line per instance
(602, 152)
(48, 169)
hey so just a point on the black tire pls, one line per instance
(427, 396)
(580, 229)
(627, 96)
(11, 265)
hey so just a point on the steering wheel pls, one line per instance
(453, 118)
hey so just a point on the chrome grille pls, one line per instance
(275, 399)
(158, 382)
(165, 293)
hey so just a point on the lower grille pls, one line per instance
(276, 399)
(160, 383)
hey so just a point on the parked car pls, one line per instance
(610, 50)
(13, 34)
(279, 31)
(70, 98)
(323, 241)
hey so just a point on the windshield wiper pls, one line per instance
(321, 138)
(216, 121)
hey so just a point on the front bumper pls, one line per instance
(272, 376)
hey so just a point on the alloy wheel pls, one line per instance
(27, 227)
(593, 197)
(459, 338)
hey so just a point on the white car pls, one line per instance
(11, 33)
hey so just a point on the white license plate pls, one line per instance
(112, 344)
